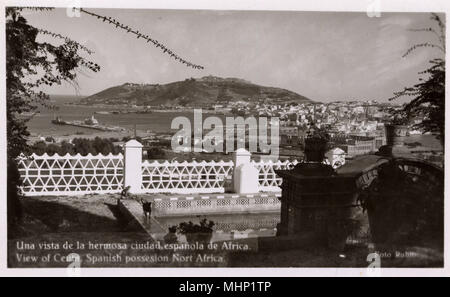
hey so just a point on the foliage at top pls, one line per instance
(428, 100)
(398, 116)
(143, 36)
(31, 64)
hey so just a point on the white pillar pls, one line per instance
(241, 156)
(245, 175)
(132, 166)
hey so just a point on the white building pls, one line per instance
(335, 157)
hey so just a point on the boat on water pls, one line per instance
(58, 121)
(90, 123)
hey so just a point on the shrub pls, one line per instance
(156, 153)
(204, 226)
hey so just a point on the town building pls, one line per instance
(355, 145)
(289, 136)
(335, 157)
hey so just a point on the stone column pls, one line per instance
(132, 166)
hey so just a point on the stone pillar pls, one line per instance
(245, 175)
(316, 200)
(132, 166)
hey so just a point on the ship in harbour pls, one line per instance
(90, 123)
(58, 121)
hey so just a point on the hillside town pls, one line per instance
(356, 128)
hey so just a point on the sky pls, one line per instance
(325, 56)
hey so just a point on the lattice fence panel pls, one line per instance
(186, 177)
(267, 178)
(70, 175)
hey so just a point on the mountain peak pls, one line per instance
(211, 78)
(204, 91)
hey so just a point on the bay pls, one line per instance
(40, 124)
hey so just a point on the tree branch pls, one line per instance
(145, 37)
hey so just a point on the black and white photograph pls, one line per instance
(188, 137)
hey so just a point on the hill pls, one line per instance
(200, 92)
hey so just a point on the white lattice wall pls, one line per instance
(71, 175)
(186, 177)
(78, 175)
(268, 180)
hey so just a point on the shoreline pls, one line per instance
(142, 109)
(34, 137)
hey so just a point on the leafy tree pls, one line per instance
(156, 153)
(14, 208)
(81, 146)
(31, 64)
(127, 138)
(49, 139)
(429, 94)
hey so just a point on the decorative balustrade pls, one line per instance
(268, 180)
(70, 175)
(78, 175)
(186, 177)
(242, 223)
(218, 203)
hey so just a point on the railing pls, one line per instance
(70, 175)
(217, 203)
(268, 180)
(186, 177)
(78, 175)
